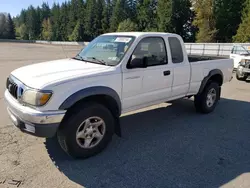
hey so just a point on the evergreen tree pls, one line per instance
(118, 14)
(47, 30)
(77, 34)
(228, 18)
(242, 33)
(10, 28)
(73, 16)
(23, 31)
(90, 18)
(181, 16)
(146, 15)
(205, 20)
(55, 20)
(131, 9)
(3, 26)
(45, 11)
(127, 26)
(164, 13)
(98, 16)
(32, 23)
(64, 20)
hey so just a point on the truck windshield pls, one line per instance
(106, 49)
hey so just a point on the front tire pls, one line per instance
(240, 78)
(208, 99)
(87, 131)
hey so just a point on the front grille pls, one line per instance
(12, 87)
(247, 64)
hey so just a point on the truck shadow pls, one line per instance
(168, 147)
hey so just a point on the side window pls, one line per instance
(151, 50)
(176, 50)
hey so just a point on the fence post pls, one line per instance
(190, 49)
(218, 53)
(203, 51)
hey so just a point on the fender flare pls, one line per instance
(206, 79)
(88, 92)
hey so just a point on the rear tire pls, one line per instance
(80, 134)
(208, 99)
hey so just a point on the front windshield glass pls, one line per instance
(106, 49)
(242, 50)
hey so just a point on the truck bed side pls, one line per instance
(201, 69)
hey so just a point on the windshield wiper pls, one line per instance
(99, 61)
(78, 57)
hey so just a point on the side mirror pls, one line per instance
(138, 63)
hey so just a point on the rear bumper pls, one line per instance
(31, 121)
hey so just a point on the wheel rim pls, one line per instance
(90, 132)
(211, 97)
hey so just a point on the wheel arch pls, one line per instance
(100, 94)
(215, 75)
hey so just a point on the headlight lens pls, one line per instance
(36, 98)
(243, 62)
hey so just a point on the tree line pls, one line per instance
(82, 20)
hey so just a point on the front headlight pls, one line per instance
(36, 97)
(243, 62)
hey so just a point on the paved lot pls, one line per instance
(168, 145)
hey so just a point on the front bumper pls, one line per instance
(28, 120)
(245, 70)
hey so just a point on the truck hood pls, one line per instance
(41, 74)
(245, 56)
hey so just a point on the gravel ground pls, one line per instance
(168, 145)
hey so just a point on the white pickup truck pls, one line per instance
(80, 99)
(239, 54)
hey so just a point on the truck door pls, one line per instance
(181, 68)
(156, 79)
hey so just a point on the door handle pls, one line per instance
(166, 73)
(133, 77)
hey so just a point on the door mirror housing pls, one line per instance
(137, 63)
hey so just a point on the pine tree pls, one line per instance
(90, 18)
(131, 9)
(77, 34)
(242, 33)
(181, 16)
(3, 26)
(10, 28)
(55, 20)
(73, 16)
(146, 15)
(228, 18)
(127, 26)
(164, 13)
(23, 32)
(45, 11)
(99, 16)
(47, 29)
(205, 20)
(64, 20)
(118, 14)
(32, 23)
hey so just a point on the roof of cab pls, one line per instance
(138, 34)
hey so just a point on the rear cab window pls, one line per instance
(176, 50)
